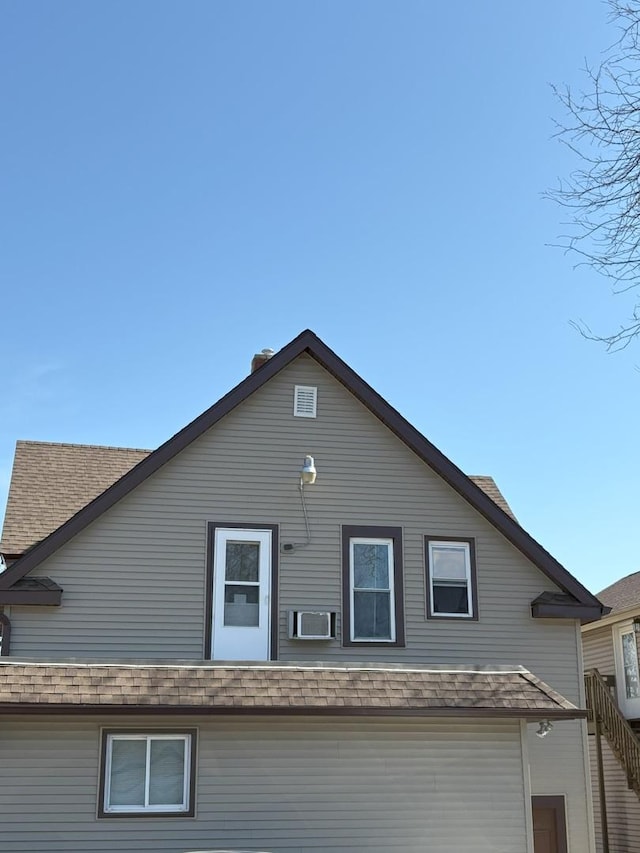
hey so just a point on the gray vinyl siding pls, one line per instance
(597, 650)
(623, 805)
(279, 785)
(558, 768)
(134, 580)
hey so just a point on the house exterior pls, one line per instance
(613, 679)
(295, 626)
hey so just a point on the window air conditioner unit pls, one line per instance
(312, 625)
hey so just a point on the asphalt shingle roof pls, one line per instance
(623, 594)
(51, 482)
(279, 688)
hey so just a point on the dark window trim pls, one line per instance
(147, 731)
(212, 526)
(6, 635)
(557, 803)
(349, 531)
(474, 579)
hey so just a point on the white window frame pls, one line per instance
(366, 540)
(183, 808)
(630, 706)
(457, 544)
(305, 390)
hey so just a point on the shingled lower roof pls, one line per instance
(51, 482)
(277, 689)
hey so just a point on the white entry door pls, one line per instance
(627, 670)
(241, 594)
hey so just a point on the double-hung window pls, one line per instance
(147, 773)
(451, 578)
(372, 585)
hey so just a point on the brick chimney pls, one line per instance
(260, 358)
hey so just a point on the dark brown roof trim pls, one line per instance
(551, 605)
(30, 597)
(32, 591)
(308, 342)
(331, 711)
(583, 612)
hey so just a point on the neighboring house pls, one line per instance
(208, 649)
(610, 650)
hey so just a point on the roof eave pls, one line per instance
(610, 618)
(31, 597)
(584, 612)
(306, 711)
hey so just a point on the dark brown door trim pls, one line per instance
(275, 552)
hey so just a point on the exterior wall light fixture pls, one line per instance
(544, 728)
(308, 473)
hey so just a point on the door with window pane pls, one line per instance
(241, 594)
(627, 670)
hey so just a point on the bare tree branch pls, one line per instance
(602, 130)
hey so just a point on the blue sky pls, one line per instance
(183, 184)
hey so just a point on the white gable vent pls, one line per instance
(305, 401)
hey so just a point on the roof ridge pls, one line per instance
(24, 441)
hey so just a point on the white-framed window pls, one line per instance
(451, 578)
(371, 570)
(147, 773)
(372, 586)
(627, 669)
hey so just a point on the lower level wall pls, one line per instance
(623, 805)
(559, 768)
(278, 784)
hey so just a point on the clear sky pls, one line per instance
(184, 183)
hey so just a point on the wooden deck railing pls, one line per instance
(605, 714)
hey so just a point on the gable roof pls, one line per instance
(623, 594)
(51, 482)
(308, 342)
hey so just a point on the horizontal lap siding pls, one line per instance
(280, 785)
(623, 805)
(134, 581)
(558, 769)
(597, 650)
